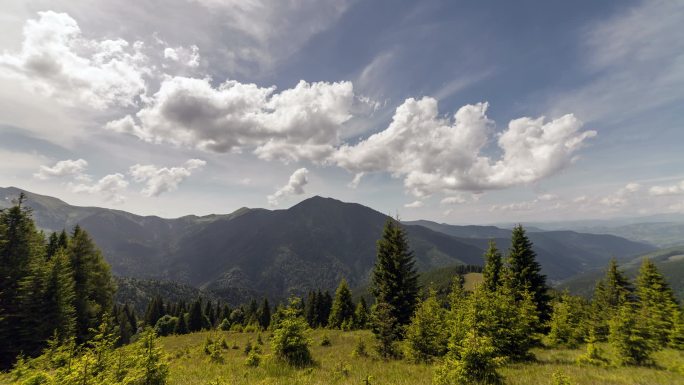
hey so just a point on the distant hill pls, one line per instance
(561, 253)
(669, 261)
(255, 252)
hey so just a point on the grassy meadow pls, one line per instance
(336, 364)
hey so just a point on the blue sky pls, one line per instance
(456, 111)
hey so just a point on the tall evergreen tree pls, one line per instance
(611, 292)
(657, 302)
(265, 314)
(20, 247)
(155, 310)
(523, 273)
(311, 309)
(361, 316)
(60, 296)
(94, 287)
(196, 316)
(491, 273)
(342, 312)
(395, 280)
(427, 334)
(324, 306)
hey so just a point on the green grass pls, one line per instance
(336, 365)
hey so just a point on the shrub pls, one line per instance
(559, 378)
(326, 341)
(593, 355)
(224, 325)
(360, 349)
(253, 358)
(166, 325)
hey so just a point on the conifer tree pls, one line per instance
(196, 317)
(610, 293)
(311, 309)
(657, 302)
(20, 246)
(290, 342)
(342, 310)
(473, 362)
(395, 280)
(427, 335)
(491, 274)
(155, 310)
(182, 325)
(94, 287)
(523, 274)
(568, 322)
(630, 336)
(677, 334)
(265, 314)
(60, 296)
(324, 306)
(361, 315)
(384, 326)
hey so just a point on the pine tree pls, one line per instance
(265, 314)
(342, 311)
(394, 279)
(677, 334)
(155, 310)
(361, 315)
(196, 316)
(94, 287)
(630, 336)
(523, 273)
(610, 293)
(384, 326)
(311, 309)
(324, 307)
(657, 302)
(182, 325)
(60, 296)
(290, 342)
(491, 273)
(473, 362)
(568, 321)
(20, 246)
(427, 335)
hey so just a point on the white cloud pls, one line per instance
(57, 61)
(304, 122)
(63, 168)
(435, 154)
(160, 180)
(187, 56)
(453, 200)
(414, 205)
(547, 197)
(110, 187)
(676, 189)
(295, 186)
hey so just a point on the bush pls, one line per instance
(559, 378)
(253, 358)
(360, 349)
(593, 355)
(166, 325)
(224, 325)
(326, 341)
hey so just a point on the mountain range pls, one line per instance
(312, 244)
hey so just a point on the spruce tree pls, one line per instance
(196, 317)
(395, 280)
(265, 314)
(21, 248)
(290, 342)
(324, 306)
(342, 311)
(491, 274)
(361, 316)
(60, 296)
(311, 309)
(568, 322)
(610, 293)
(657, 302)
(427, 334)
(523, 273)
(630, 336)
(94, 287)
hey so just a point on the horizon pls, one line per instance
(453, 112)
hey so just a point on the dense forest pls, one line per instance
(60, 324)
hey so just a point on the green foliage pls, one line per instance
(493, 267)
(657, 302)
(610, 293)
(326, 341)
(593, 355)
(182, 325)
(474, 362)
(253, 358)
(290, 342)
(359, 349)
(629, 336)
(427, 335)
(523, 274)
(166, 325)
(224, 325)
(394, 281)
(568, 321)
(559, 378)
(386, 331)
(265, 314)
(361, 316)
(677, 333)
(342, 307)
(196, 317)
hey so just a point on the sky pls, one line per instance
(453, 111)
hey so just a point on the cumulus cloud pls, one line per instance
(303, 122)
(186, 56)
(295, 186)
(676, 189)
(56, 60)
(160, 180)
(414, 205)
(453, 200)
(64, 168)
(435, 154)
(111, 187)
